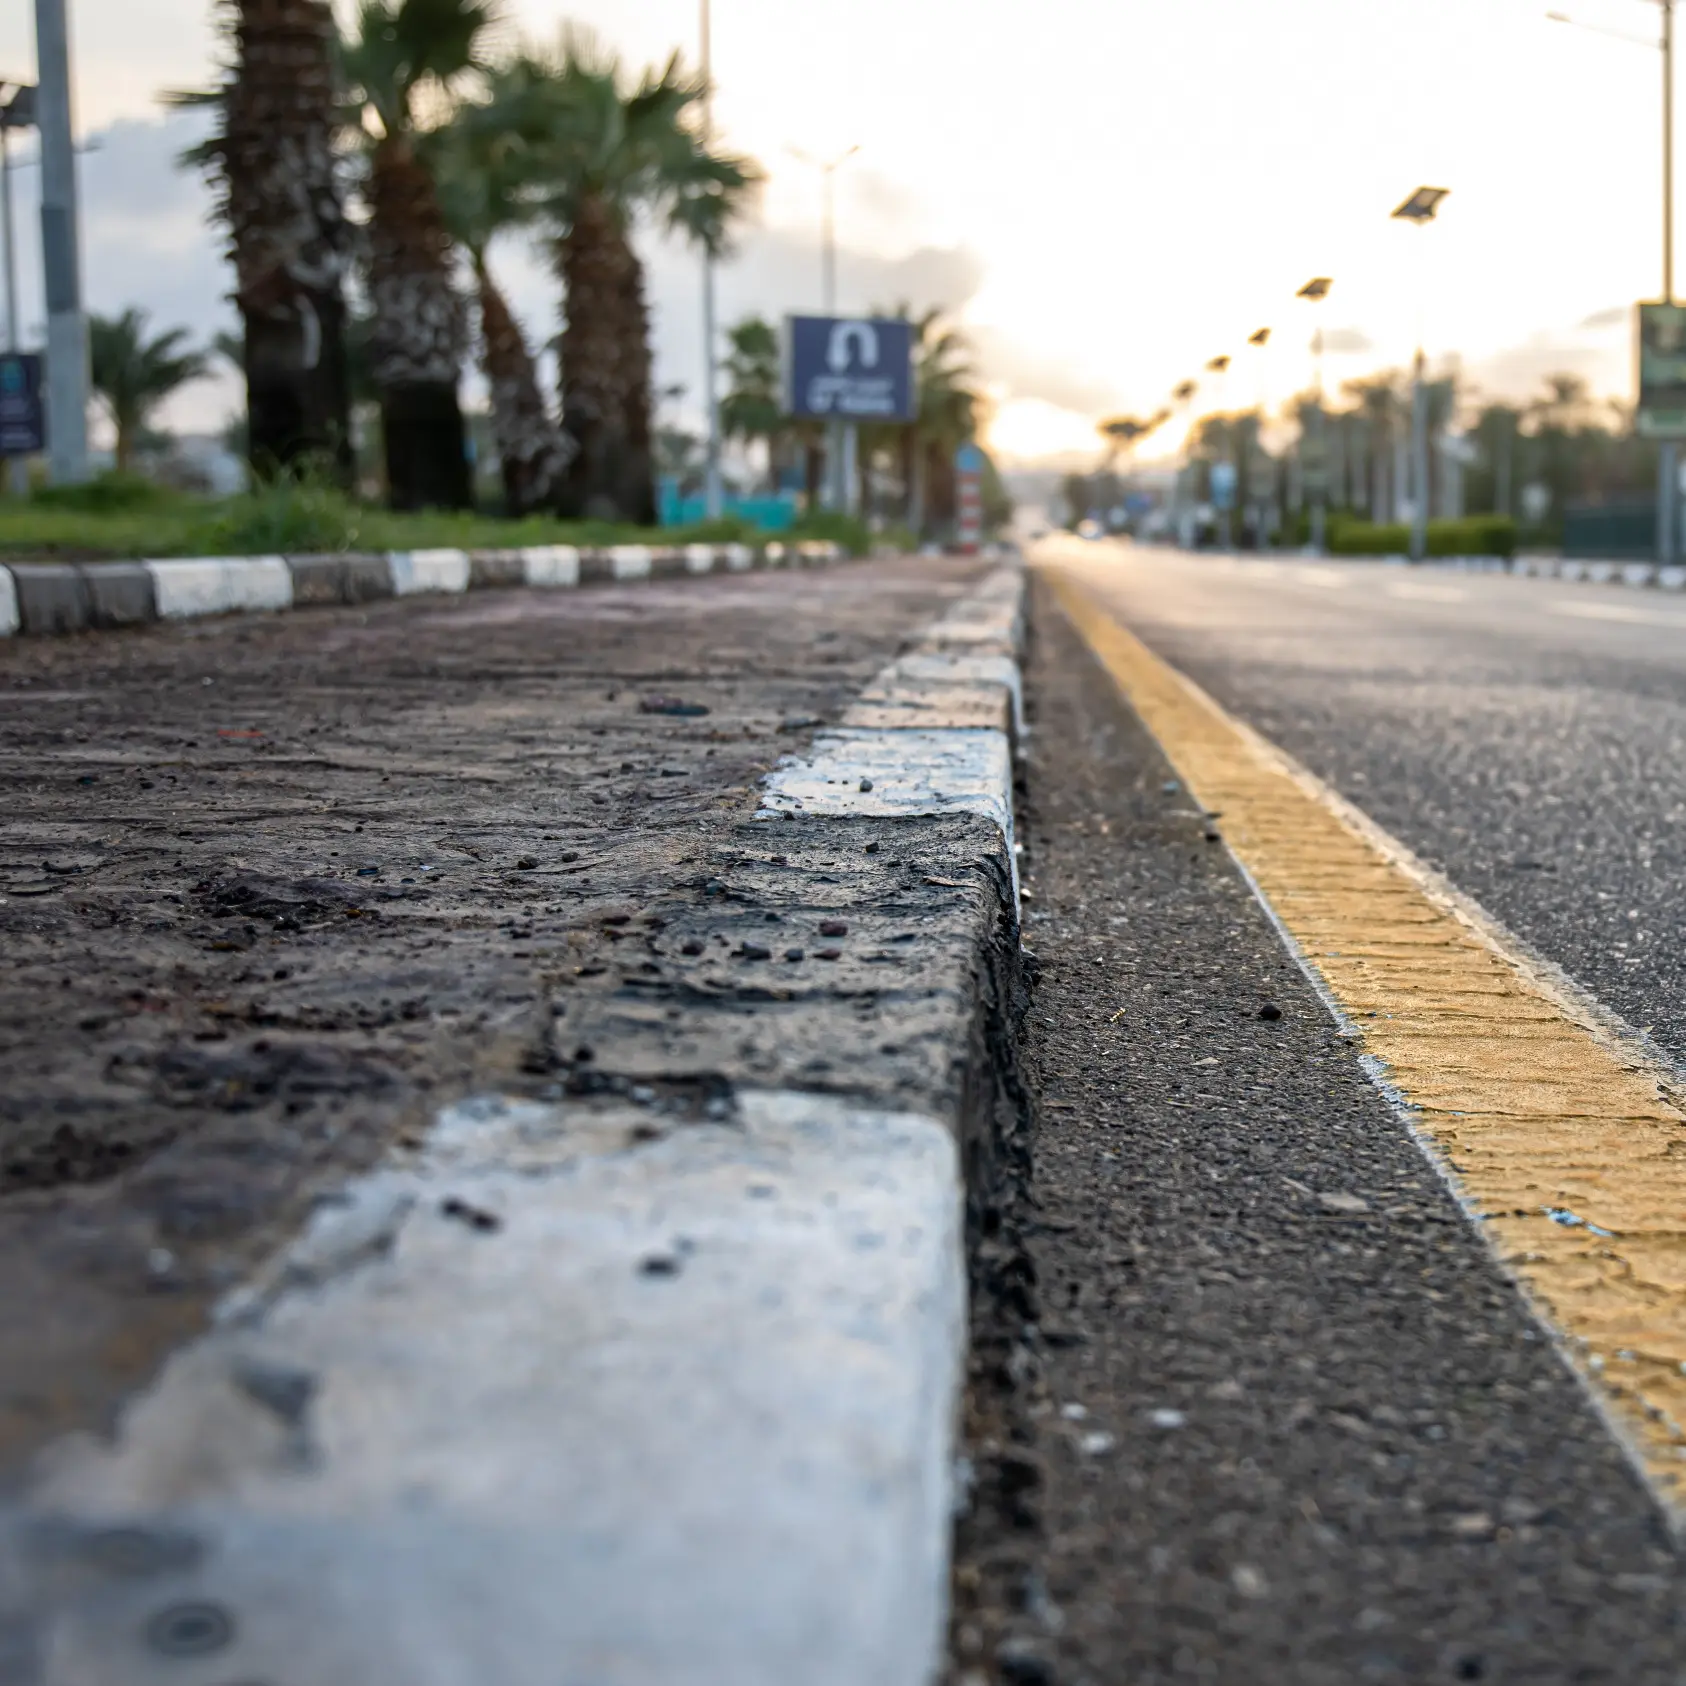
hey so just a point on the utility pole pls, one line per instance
(713, 496)
(67, 328)
(1668, 457)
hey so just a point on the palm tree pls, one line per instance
(613, 153)
(483, 165)
(948, 413)
(132, 375)
(274, 173)
(404, 57)
(753, 407)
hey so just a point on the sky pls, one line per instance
(1105, 193)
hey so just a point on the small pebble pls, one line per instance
(526, 864)
(866, 784)
(828, 954)
(755, 951)
(1097, 1444)
(1165, 1417)
(691, 946)
(834, 928)
(793, 954)
(1270, 1012)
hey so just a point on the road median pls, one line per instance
(641, 1362)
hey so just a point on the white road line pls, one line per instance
(1631, 614)
(1410, 591)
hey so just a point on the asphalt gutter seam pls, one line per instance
(53, 597)
(547, 1399)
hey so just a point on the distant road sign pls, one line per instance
(23, 419)
(853, 368)
(968, 497)
(1661, 338)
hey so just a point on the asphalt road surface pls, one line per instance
(1276, 1417)
(1526, 737)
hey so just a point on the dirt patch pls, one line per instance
(270, 889)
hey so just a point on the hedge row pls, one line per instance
(1473, 535)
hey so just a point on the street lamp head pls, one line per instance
(1422, 205)
(1316, 288)
(18, 111)
(1262, 337)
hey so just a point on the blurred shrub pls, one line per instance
(831, 527)
(288, 516)
(1471, 535)
(106, 494)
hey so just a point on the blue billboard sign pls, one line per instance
(856, 369)
(23, 419)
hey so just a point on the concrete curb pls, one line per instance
(51, 597)
(565, 1392)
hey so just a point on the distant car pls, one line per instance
(1090, 529)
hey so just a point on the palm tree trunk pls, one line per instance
(606, 370)
(274, 168)
(418, 335)
(531, 448)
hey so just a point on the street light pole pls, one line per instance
(67, 329)
(1317, 290)
(713, 495)
(1668, 452)
(1419, 210)
(840, 438)
(1668, 457)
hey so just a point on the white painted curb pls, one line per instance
(10, 620)
(679, 1414)
(699, 558)
(923, 767)
(415, 571)
(740, 556)
(219, 585)
(551, 565)
(630, 561)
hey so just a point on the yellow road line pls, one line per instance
(1564, 1137)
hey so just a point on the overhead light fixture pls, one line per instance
(1262, 337)
(1218, 365)
(1317, 288)
(1422, 205)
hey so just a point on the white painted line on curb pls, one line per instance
(10, 619)
(673, 1413)
(551, 565)
(699, 558)
(739, 557)
(1631, 614)
(894, 770)
(219, 585)
(630, 562)
(416, 571)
